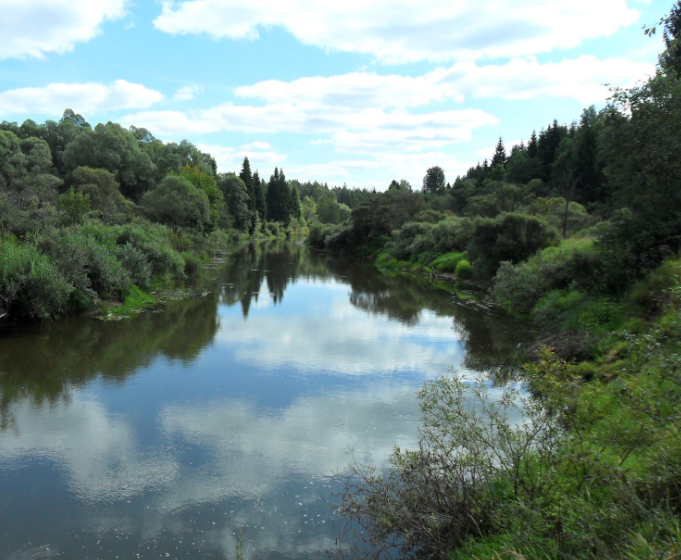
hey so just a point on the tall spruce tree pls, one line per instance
(259, 192)
(247, 177)
(532, 149)
(277, 197)
(499, 157)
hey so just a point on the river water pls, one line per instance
(223, 413)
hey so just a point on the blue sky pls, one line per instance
(355, 92)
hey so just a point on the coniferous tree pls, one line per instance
(499, 157)
(532, 149)
(259, 192)
(292, 204)
(277, 197)
(247, 178)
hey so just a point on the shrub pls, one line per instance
(464, 270)
(272, 228)
(136, 263)
(509, 237)
(574, 263)
(31, 287)
(448, 262)
(191, 263)
(478, 473)
(400, 246)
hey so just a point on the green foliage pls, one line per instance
(205, 182)
(448, 262)
(464, 270)
(109, 146)
(176, 202)
(434, 181)
(235, 195)
(75, 205)
(30, 286)
(510, 237)
(572, 263)
(575, 471)
(640, 144)
(191, 264)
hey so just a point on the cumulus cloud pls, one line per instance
(581, 78)
(32, 28)
(102, 459)
(260, 155)
(85, 98)
(351, 130)
(187, 93)
(398, 31)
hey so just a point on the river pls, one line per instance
(223, 413)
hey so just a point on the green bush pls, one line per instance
(191, 263)
(403, 238)
(272, 228)
(31, 287)
(154, 241)
(87, 256)
(574, 263)
(448, 262)
(464, 270)
(559, 306)
(136, 263)
(509, 237)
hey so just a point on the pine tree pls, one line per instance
(499, 154)
(532, 150)
(259, 192)
(277, 197)
(247, 178)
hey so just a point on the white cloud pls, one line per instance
(187, 93)
(260, 155)
(32, 28)
(398, 31)
(524, 78)
(352, 130)
(581, 78)
(84, 98)
(357, 89)
(98, 450)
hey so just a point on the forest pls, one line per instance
(105, 214)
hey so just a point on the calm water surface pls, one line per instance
(167, 434)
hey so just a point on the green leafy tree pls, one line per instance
(434, 181)
(100, 188)
(177, 203)
(641, 145)
(110, 146)
(236, 198)
(207, 184)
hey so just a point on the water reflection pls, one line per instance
(168, 434)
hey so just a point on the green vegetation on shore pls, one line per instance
(94, 217)
(579, 231)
